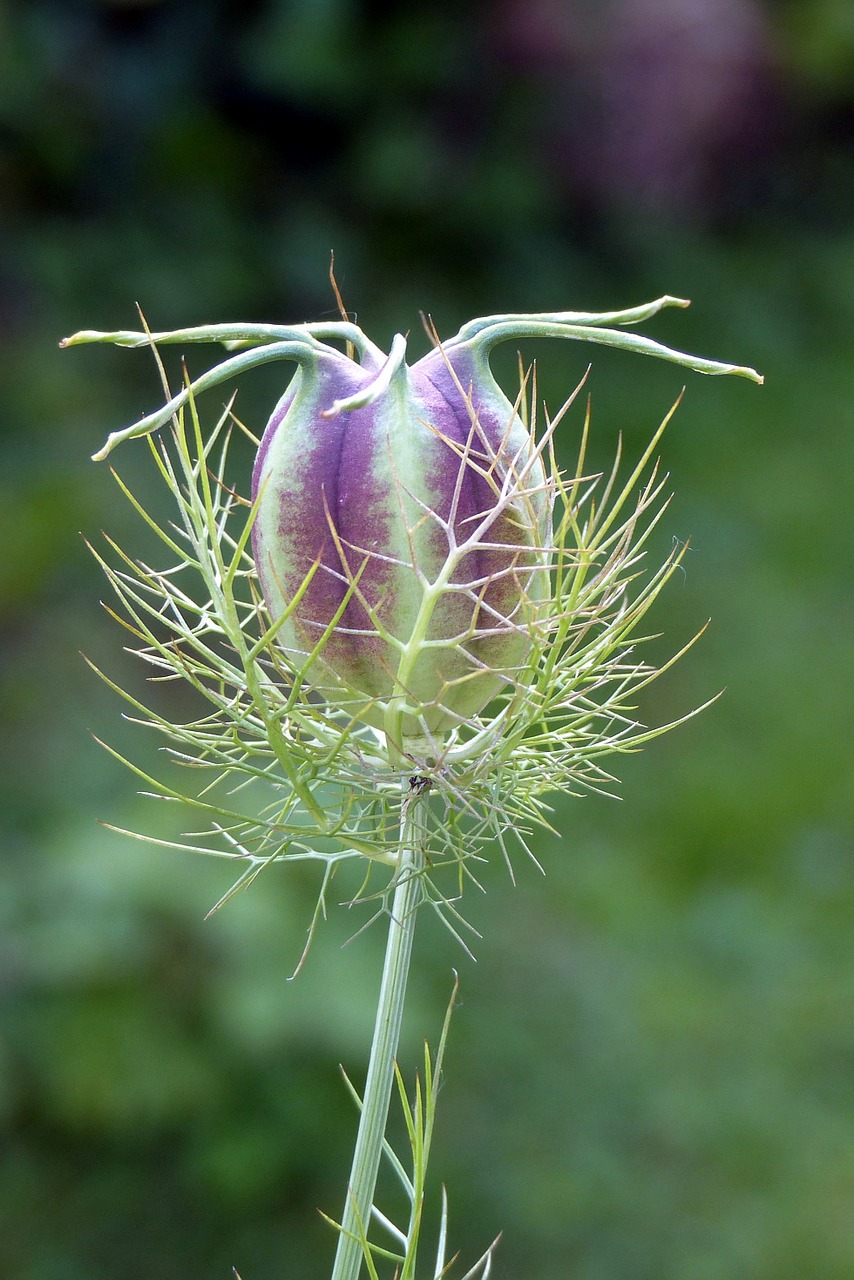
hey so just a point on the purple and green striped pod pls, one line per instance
(402, 521)
(410, 509)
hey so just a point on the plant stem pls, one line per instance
(356, 1217)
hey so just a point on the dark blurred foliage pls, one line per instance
(651, 1071)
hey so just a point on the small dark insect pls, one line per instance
(418, 783)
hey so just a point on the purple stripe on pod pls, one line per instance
(500, 450)
(297, 473)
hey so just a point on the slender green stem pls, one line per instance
(356, 1217)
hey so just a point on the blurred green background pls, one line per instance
(651, 1074)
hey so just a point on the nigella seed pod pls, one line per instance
(400, 536)
(401, 516)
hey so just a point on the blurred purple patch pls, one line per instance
(663, 105)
